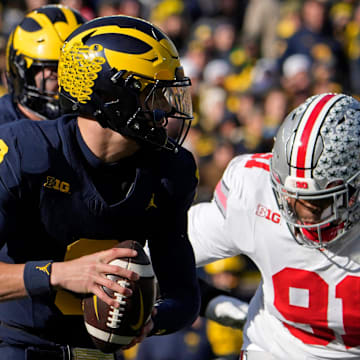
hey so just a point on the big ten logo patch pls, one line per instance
(268, 214)
(56, 184)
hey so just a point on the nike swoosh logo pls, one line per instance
(95, 306)
(138, 325)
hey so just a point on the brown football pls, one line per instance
(110, 328)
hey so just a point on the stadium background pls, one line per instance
(250, 61)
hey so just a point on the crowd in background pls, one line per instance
(250, 62)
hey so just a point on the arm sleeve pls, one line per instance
(220, 228)
(10, 189)
(174, 266)
(172, 255)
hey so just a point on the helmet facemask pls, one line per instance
(338, 210)
(141, 108)
(36, 97)
(160, 102)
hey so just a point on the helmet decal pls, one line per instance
(301, 156)
(78, 69)
(56, 15)
(30, 25)
(122, 22)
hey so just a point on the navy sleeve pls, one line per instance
(174, 266)
(172, 254)
(10, 189)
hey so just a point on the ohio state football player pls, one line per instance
(295, 213)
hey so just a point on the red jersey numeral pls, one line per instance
(315, 311)
(258, 164)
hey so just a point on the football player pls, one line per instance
(295, 212)
(32, 59)
(73, 187)
(33, 52)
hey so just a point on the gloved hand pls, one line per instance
(227, 311)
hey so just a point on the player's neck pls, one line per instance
(107, 145)
(28, 113)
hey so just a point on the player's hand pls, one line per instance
(227, 311)
(87, 274)
(145, 331)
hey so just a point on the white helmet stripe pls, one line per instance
(306, 135)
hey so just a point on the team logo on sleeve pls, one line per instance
(263, 211)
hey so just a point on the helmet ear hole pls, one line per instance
(20, 65)
(135, 85)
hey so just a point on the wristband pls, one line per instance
(37, 278)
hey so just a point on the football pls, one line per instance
(110, 328)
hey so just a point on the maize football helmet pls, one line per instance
(33, 46)
(316, 158)
(125, 73)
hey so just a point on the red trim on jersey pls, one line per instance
(220, 195)
(305, 136)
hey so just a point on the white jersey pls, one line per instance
(308, 304)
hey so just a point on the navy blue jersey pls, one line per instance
(58, 201)
(9, 112)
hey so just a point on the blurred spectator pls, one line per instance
(249, 138)
(264, 76)
(260, 21)
(108, 8)
(34, 4)
(296, 79)
(131, 8)
(314, 39)
(215, 72)
(212, 107)
(289, 22)
(190, 343)
(12, 14)
(211, 170)
(80, 5)
(233, 10)
(224, 37)
(244, 105)
(323, 74)
(275, 111)
(352, 35)
(170, 16)
(340, 15)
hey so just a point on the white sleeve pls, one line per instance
(205, 229)
(207, 225)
